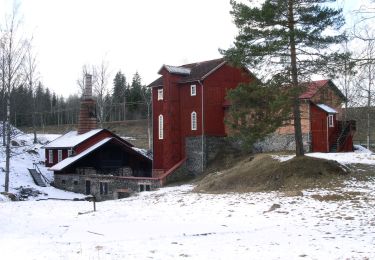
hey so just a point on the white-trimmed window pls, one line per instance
(330, 121)
(70, 152)
(161, 127)
(50, 156)
(103, 187)
(59, 155)
(193, 90)
(160, 94)
(193, 120)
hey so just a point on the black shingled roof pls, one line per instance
(198, 71)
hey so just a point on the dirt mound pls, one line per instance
(263, 173)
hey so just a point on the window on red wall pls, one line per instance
(330, 121)
(160, 94)
(193, 121)
(161, 127)
(50, 156)
(59, 155)
(193, 90)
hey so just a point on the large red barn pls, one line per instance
(188, 112)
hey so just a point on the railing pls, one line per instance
(346, 129)
(41, 174)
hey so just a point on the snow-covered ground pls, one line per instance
(175, 223)
(361, 155)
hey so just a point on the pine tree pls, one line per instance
(119, 95)
(289, 38)
(135, 95)
(252, 117)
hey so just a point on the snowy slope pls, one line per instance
(175, 223)
(24, 154)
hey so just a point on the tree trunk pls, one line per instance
(148, 126)
(7, 149)
(294, 71)
(369, 106)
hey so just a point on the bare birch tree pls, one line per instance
(14, 54)
(31, 78)
(101, 91)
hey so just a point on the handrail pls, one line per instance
(41, 174)
(343, 135)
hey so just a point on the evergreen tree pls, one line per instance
(135, 97)
(119, 88)
(251, 116)
(289, 38)
(119, 97)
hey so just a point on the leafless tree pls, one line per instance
(101, 91)
(14, 54)
(31, 78)
(366, 76)
(86, 69)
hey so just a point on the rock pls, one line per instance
(273, 207)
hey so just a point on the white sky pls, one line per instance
(131, 35)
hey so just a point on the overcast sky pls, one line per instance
(131, 35)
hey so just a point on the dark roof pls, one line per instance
(313, 87)
(198, 71)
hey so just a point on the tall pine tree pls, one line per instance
(289, 38)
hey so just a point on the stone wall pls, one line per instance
(285, 142)
(212, 145)
(77, 183)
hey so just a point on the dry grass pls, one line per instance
(263, 173)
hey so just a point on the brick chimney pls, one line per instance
(87, 114)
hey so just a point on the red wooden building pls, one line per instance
(328, 133)
(189, 108)
(321, 120)
(188, 112)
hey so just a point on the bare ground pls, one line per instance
(263, 173)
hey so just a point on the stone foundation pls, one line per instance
(285, 142)
(212, 145)
(116, 185)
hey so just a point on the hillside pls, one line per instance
(272, 172)
(135, 131)
(24, 155)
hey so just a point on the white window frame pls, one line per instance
(194, 121)
(160, 94)
(193, 90)
(50, 156)
(331, 122)
(103, 188)
(70, 152)
(161, 127)
(59, 155)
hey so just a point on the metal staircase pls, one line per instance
(346, 130)
(38, 177)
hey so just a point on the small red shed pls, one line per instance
(324, 127)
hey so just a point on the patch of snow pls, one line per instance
(144, 152)
(71, 139)
(360, 156)
(282, 158)
(328, 109)
(361, 149)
